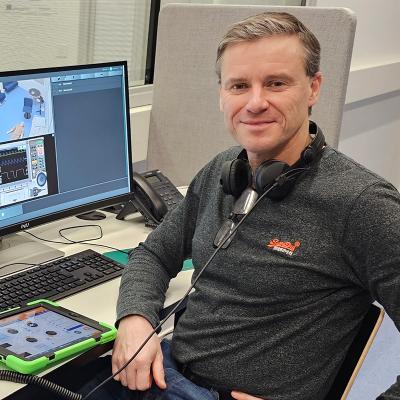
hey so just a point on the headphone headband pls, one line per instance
(236, 175)
(310, 153)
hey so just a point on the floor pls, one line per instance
(11, 113)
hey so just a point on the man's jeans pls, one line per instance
(178, 387)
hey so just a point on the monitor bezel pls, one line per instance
(73, 211)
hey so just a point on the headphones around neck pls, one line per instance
(236, 175)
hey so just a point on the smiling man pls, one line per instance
(265, 96)
(274, 313)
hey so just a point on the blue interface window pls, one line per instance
(64, 140)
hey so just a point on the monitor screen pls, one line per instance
(64, 142)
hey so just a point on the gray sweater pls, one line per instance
(272, 317)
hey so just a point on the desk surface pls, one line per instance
(99, 302)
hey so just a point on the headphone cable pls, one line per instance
(161, 323)
(69, 395)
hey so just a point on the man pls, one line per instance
(16, 132)
(274, 313)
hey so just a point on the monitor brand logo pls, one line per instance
(25, 225)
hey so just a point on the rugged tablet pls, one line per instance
(42, 332)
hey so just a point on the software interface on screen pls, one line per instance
(35, 332)
(63, 141)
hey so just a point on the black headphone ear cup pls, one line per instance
(267, 173)
(235, 176)
(225, 177)
(308, 155)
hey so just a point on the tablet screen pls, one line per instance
(39, 331)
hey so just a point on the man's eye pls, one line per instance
(238, 86)
(277, 84)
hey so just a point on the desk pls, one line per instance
(99, 302)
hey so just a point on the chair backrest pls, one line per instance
(186, 126)
(356, 354)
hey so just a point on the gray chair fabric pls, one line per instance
(186, 126)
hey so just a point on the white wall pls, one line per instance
(371, 123)
(140, 120)
(371, 134)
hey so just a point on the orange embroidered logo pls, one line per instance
(283, 247)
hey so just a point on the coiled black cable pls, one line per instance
(17, 377)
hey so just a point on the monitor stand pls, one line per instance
(18, 248)
(92, 216)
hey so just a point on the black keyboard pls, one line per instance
(57, 279)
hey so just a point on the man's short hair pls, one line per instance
(271, 24)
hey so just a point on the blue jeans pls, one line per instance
(178, 387)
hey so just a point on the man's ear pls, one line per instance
(315, 86)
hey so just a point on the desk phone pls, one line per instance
(154, 195)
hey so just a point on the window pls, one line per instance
(48, 33)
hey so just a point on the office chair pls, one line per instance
(9, 86)
(356, 354)
(186, 126)
(353, 360)
(27, 108)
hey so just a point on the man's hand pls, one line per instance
(243, 396)
(148, 364)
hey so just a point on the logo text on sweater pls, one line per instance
(283, 247)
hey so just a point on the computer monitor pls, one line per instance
(64, 148)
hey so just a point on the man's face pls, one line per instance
(265, 95)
